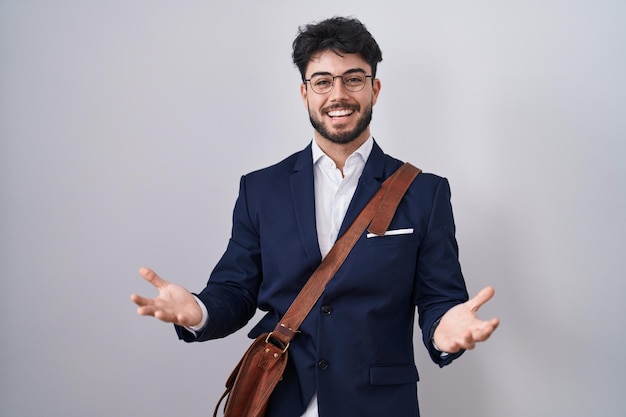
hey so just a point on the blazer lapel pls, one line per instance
(374, 174)
(377, 169)
(303, 196)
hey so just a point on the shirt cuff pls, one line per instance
(205, 317)
(432, 339)
(441, 354)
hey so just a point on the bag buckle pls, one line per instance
(276, 342)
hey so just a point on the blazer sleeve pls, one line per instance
(440, 283)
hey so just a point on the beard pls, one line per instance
(343, 137)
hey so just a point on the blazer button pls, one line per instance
(323, 364)
(327, 310)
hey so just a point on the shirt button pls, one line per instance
(323, 364)
(327, 310)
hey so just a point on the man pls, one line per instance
(354, 355)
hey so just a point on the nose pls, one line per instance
(339, 89)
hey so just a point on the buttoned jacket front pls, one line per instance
(355, 349)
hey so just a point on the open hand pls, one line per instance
(460, 328)
(174, 304)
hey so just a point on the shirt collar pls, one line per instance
(363, 151)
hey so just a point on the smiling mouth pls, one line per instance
(340, 113)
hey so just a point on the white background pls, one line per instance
(124, 128)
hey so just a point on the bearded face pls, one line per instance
(334, 130)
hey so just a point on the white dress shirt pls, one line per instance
(333, 193)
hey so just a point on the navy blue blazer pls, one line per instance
(356, 346)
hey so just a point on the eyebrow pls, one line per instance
(350, 71)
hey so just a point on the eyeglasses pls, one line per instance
(324, 83)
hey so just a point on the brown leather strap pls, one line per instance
(382, 219)
(377, 215)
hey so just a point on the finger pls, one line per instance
(481, 298)
(495, 322)
(164, 316)
(141, 301)
(151, 276)
(157, 313)
(153, 309)
(484, 331)
(148, 310)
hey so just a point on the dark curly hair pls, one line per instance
(338, 34)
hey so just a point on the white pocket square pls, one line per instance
(392, 233)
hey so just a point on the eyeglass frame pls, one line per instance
(308, 80)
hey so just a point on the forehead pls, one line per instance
(333, 63)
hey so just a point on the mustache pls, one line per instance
(348, 106)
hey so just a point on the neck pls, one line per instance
(339, 152)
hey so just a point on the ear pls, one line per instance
(304, 94)
(375, 90)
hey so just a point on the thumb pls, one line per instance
(151, 276)
(481, 298)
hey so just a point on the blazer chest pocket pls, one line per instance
(391, 237)
(393, 374)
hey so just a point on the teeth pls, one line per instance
(339, 113)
